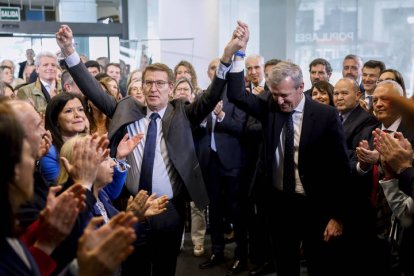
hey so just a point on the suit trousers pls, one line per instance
(158, 243)
(225, 193)
(198, 225)
(294, 220)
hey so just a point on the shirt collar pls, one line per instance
(161, 112)
(345, 115)
(45, 84)
(392, 127)
(301, 105)
(262, 83)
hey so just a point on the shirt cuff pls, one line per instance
(238, 66)
(204, 123)
(121, 165)
(359, 170)
(222, 71)
(73, 60)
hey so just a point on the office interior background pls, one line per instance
(197, 30)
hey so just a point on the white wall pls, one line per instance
(77, 11)
(196, 20)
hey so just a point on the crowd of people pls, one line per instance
(99, 168)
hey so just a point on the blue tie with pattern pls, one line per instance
(145, 180)
(288, 158)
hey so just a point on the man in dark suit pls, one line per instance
(378, 223)
(176, 171)
(222, 158)
(304, 203)
(354, 118)
(30, 54)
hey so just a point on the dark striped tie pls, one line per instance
(288, 159)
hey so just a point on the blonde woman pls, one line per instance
(98, 202)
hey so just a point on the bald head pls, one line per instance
(212, 68)
(346, 95)
(31, 122)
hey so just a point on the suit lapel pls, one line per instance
(354, 115)
(307, 125)
(277, 120)
(166, 120)
(43, 89)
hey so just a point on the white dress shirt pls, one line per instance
(161, 183)
(279, 154)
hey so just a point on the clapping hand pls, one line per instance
(87, 156)
(144, 206)
(366, 157)
(126, 146)
(45, 144)
(396, 152)
(101, 250)
(57, 219)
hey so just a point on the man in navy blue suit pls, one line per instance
(304, 193)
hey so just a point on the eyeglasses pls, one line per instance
(159, 84)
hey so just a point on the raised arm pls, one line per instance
(236, 91)
(89, 86)
(205, 104)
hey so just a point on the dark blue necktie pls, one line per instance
(145, 180)
(288, 158)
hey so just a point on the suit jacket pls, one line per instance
(321, 146)
(252, 142)
(12, 264)
(358, 120)
(179, 119)
(366, 134)
(22, 65)
(35, 93)
(365, 182)
(227, 135)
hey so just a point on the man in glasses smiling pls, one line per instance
(166, 157)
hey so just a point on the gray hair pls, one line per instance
(66, 78)
(44, 54)
(356, 58)
(259, 57)
(283, 70)
(395, 85)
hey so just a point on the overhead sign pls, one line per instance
(9, 13)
